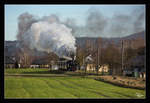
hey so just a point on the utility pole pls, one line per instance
(97, 58)
(98, 61)
(122, 52)
(84, 65)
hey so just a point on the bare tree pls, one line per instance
(111, 56)
(98, 56)
(24, 57)
(80, 55)
(87, 52)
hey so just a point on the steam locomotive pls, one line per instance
(67, 64)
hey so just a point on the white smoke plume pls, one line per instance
(46, 34)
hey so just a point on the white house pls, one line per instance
(104, 68)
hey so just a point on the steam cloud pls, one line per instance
(95, 21)
(52, 35)
(45, 34)
(120, 24)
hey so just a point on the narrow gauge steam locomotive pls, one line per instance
(67, 64)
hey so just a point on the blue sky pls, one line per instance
(78, 12)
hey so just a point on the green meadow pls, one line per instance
(62, 87)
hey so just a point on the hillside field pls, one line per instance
(64, 87)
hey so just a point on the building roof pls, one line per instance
(66, 57)
(41, 61)
(89, 59)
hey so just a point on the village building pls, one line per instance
(104, 68)
(40, 63)
(90, 66)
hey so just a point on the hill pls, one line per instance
(135, 40)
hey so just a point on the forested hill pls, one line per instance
(135, 40)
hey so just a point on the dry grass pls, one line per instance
(126, 81)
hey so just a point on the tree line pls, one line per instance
(111, 55)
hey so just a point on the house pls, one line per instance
(64, 63)
(91, 67)
(40, 63)
(104, 68)
(89, 63)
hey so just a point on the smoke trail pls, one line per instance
(120, 24)
(25, 21)
(139, 21)
(95, 22)
(46, 34)
(52, 35)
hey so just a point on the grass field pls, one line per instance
(63, 87)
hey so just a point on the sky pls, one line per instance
(78, 12)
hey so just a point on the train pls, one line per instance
(67, 64)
